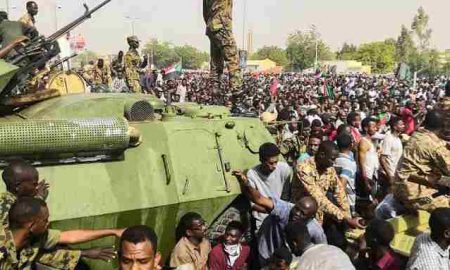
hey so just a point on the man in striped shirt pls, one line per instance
(346, 167)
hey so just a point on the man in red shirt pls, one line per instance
(408, 118)
(378, 254)
(230, 254)
(354, 121)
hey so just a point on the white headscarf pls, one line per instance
(233, 252)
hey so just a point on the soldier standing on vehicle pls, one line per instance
(425, 160)
(219, 29)
(117, 64)
(133, 64)
(32, 10)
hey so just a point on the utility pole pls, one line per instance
(57, 7)
(244, 24)
(316, 37)
(132, 23)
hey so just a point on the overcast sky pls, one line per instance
(181, 22)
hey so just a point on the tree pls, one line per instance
(163, 53)
(434, 64)
(301, 50)
(421, 30)
(274, 53)
(347, 52)
(404, 47)
(419, 59)
(379, 55)
(84, 58)
(192, 57)
(446, 67)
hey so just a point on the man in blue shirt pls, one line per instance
(271, 236)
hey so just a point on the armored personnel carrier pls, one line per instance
(117, 160)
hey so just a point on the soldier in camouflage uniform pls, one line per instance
(27, 240)
(133, 65)
(219, 29)
(425, 160)
(316, 177)
(444, 106)
(101, 74)
(21, 180)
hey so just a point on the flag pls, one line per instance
(173, 71)
(274, 87)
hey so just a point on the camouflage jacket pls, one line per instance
(326, 188)
(28, 256)
(7, 199)
(52, 258)
(101, 76)
(27, 20)
(218, 14)
(132, 62)
(444, 106)
(424, 155)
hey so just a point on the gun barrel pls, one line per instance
(59, 62)
(77, 22)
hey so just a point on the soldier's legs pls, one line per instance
(231, 57)
(225, 40)
(137, 87)
(216, 64)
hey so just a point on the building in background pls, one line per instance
(345, 67)
(264, 66)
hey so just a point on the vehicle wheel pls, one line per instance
(239, 210)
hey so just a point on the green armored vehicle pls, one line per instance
(116, 160)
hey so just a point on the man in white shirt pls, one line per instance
(392, 149)
(182, 91)
(313, 257)
(272, 178)
(431, 251)
(119, 85)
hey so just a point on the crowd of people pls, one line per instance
(351, 152)
(357, 151)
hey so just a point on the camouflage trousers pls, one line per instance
(224, 50)
(135, 86)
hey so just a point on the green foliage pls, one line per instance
(84, 58)
(421, 30)
(163, 53)
(379, 55)
(446, 67)
(192, 57)
(301, 50)
(347, 52)
(274, 53)
(434, 65)
(166, 54)
(405, 46)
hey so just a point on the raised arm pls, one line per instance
(81, 236)
(252, 193)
